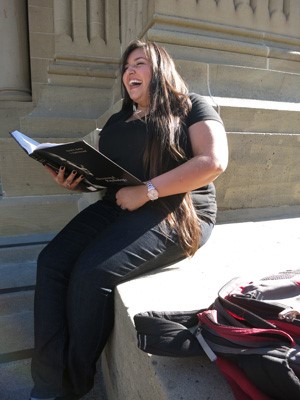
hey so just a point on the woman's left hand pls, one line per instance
(132, 197)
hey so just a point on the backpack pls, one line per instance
(251, 331)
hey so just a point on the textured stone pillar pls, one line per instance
(14, 60)
(81, 77)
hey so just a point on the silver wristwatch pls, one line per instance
(152, 191)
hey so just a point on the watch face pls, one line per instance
(153, 194)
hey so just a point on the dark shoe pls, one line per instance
(68, 397)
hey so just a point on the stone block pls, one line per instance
(53, 127)
(16, 321)
(279, 64)
(41, 45)
(211, 49)
(264, 171)
(67, 111)
(40, 3)
(253, 83)
(12, 254)
(257, 214)
(31, 215)
(132, 374)
(258, 116)
(24, 176)
(263, 248)
(17, 275)
(39, 69)
(18, 259)
(10, 114)
(201, 52)
(15, 380)
(41, 18)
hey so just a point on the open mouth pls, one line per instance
(134, 83)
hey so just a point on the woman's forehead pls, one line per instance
(137, 54)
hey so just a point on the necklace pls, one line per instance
(139, 114)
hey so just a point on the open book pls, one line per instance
(98, 170)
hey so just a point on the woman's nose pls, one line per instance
(131, 69)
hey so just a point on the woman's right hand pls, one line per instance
(70, 182)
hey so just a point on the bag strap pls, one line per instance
(217, 305)
(241, 312)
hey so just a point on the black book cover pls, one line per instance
(98, 170)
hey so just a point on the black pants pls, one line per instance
(76, 274)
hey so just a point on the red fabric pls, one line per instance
(238, 335)
(240, 385)
(288, 327)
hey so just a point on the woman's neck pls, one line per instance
(141, 111)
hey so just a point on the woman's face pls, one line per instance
(137, 76)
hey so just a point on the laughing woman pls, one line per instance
(175, 142)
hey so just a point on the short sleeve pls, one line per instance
(201, 111)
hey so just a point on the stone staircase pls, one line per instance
(17, 270)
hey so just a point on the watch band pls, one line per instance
(150, 186)
(152, 191)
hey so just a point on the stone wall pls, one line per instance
(244, 56)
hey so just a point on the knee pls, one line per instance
(44, 258)
(49, 261)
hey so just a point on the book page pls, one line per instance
(28, 144)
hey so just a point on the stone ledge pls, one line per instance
(251, 249)
(36, 215)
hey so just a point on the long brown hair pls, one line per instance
(169, 105)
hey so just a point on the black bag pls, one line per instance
(254, 326)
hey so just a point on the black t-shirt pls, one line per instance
(124, 142)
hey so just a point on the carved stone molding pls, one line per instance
(88, 28)
(279, 17)
(87, 42)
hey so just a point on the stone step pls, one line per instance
(16, 344)
(15, 380)
(17, 276)
(16, 324)
(18, 255)
(36, 215)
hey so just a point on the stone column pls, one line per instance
(82, 75)
(14, 60)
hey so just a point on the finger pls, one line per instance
(60, 177)
(51, 171)
(72, 184)
(69, 180)
(76, 182)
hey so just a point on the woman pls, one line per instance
(175, 143)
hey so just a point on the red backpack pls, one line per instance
(251, 331)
